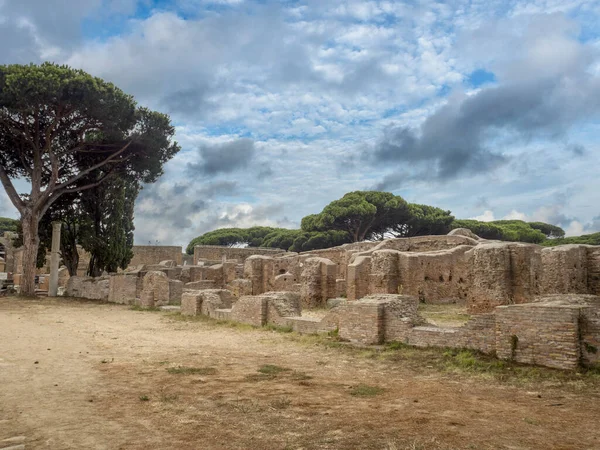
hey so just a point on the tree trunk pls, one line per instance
(31, 243)
(70, 255)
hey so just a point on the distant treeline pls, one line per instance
(374, 215)
(7, 224)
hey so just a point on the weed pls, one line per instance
(514, 342)
(270, 369)
(396, 345)
(590, 348)
(364, 390)
(143, 308)
(300, 376)
(278, 328)
(144, 398)
(281, 403)
(192, 370)
(260, 377)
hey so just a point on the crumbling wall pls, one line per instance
(155, 291)
(206, 302)
(593, 266)
(385, 272)
(153, 254)
(564, 270)
(435, 277)
(317, 282)
(251, 310)
(491, 278)
(358, 278)
(123, 288)
(175, 292)
(535, 333)
(88, 287)
(259, 270)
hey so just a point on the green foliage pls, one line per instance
(181, 370)
(108, 233)
(7, 224)
(362, 214)
(233, 237)
(551, 231)
(587, 239)
(283, 238)
(485, 230)
(364, 390)
(505, 230)
(66, 131)
(423, 220)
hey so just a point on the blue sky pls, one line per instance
(487, 108)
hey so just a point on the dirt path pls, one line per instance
(77, 375)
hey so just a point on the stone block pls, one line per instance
(318, 282)
(199, 285)
(240, 287)
(191, 303)
(155, 290)
(175, 292)
(564, 270)
(357, 281)
(251, 310)
(123, 288)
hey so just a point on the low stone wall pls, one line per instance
(539, 334)
(88, 287)
(124, 288)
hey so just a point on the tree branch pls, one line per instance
(91, 169)
(11, 191)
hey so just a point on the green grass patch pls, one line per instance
(144, 398)
(143, 308)
(272, 369)
(253, 377)
(278, 328)
(364, 390)
(181, 370)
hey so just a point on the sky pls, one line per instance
(487, 108)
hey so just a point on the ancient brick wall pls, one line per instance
(564, 270)
(437, 277)
(358, 279)
(217, 252)
(155, 291)
(317, 282)
(88, 287)
(251, 310)
(539, 334)
(123, 288)
(362, 322)
(589, 323)
(154, 254)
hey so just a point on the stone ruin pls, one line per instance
(528, 303)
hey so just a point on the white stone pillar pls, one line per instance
(54, 259)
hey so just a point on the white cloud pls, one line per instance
(487, 216)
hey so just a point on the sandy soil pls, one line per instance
(83, 375)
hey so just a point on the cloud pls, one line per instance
(548, 89)
(487, 216)
(223, 158)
